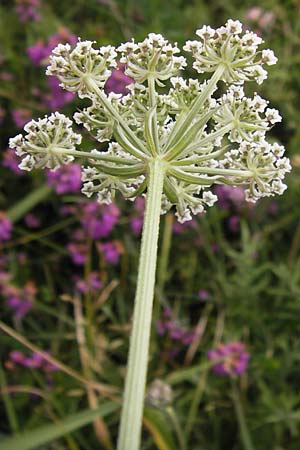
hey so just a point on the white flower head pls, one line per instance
(49, 142)
(203, 138)
(76, 68)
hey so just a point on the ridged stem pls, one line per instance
(133, 402)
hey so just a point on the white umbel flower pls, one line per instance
(49, 142)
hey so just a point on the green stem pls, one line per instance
(195, 405)
(245, 435)
(131, 418)
(8, 403)
(177, 427)
(151, 83)
(140, 149)
(17, 211)
(164, 255)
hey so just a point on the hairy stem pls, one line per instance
(131, 418)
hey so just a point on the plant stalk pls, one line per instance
(244, 432)
(133, 402)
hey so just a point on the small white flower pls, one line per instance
(104, 197)
(273, 116)
(183, 216)
(88, 189)
(268, 57)
(206, 32)
(209, 198)
(234, 26)
(27, 163)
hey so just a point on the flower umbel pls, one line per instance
(185, 127)
(49, 142)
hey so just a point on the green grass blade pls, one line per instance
(32, 439)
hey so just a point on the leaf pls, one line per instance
(30, 440)
(159, 428)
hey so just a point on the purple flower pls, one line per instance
(179, 228)
(97, 220)
(78, 253)
(203, 295)
(28, 10)
(179, 336)
(65, 179)
(234, 224)
(17, 357)
(230, 195)
(111, 251)
(38, 52)
(2, 115)
(136, 222)
(118, 81)
(91, 284)
(35, 361)
(19, 299)
(32, 221)
(5, 227)
(231, 359)
(11, 161)
(57, 97)
(21, 116)
(136, 225)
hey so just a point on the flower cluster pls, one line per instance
(34, 361)
(74, 68)
(178, 335)
(198, 139)
(231, 359)
(20, 300)
(159, 394)
(237, 54)
(48, 143)
(28, 10)
(153, 57)
(92, 283)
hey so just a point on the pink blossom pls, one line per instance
(40, 51)
(57, 97)
(11, 161)
(28, 10)
(231, 359)
(34, 361)
(230, 195)
(19, 299)
(111, 251)
(5, 227)
(32, 221)
(203, 295)
(118, 81)
(254, 13)
(65, 179)
(91, 284)
(21, 116)
(97, 220)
